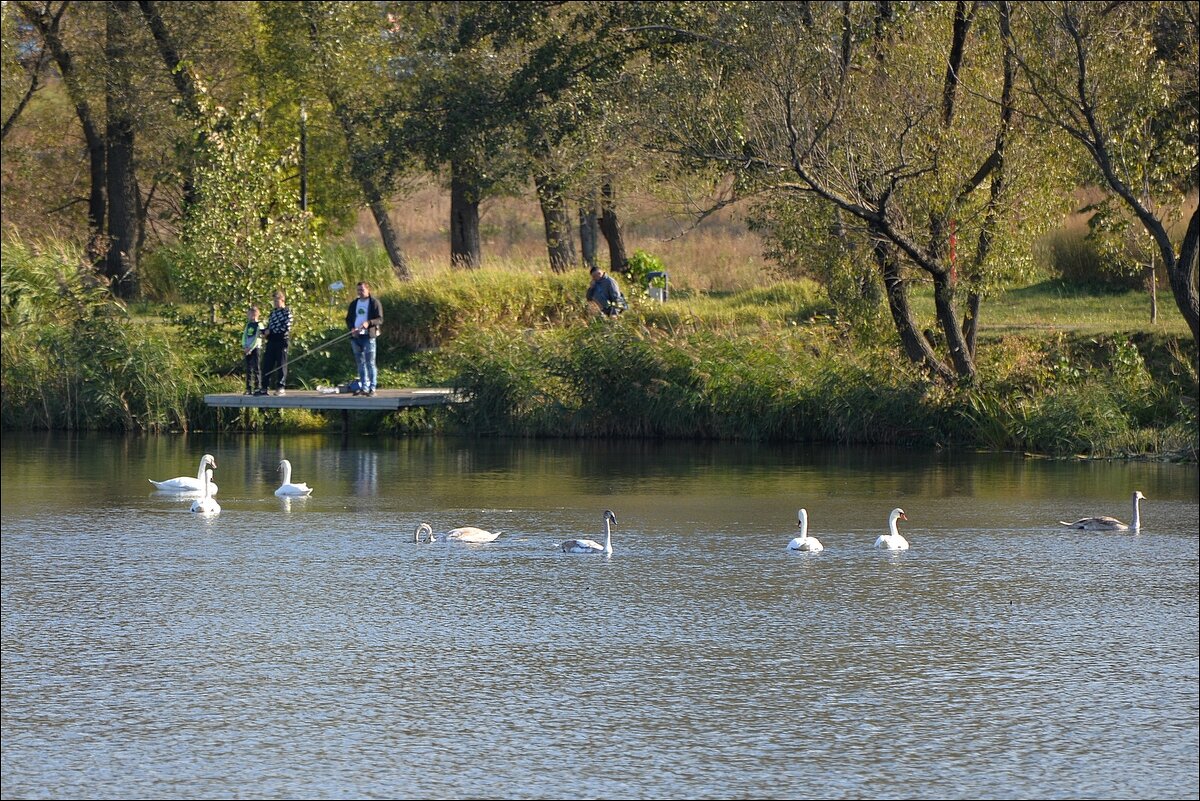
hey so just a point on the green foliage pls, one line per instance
(427, 312)
(637, 273)
(72, 357)
(808, 239)
(243, 237)
(1124, 248)
(351, 264)
(746, 366)
(1075, 258)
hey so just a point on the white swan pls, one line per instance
(591, 546)
(472, 535)
(186, 484)
(805, 542)
(207, 505)
(287, 487)
(893, 541)
(1106, 523)
(469, 534)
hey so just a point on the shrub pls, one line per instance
(73, 359)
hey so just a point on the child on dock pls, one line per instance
(251, 343)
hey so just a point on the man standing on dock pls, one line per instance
(363, 318)
(279, 330)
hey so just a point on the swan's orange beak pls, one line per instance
(903, 516)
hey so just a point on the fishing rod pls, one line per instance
(322, 346)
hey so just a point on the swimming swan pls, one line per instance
(1106, 523)
(287, 487)
(893, 541)
(185, 484)
(472, 535)
(591, 546)
(208, 504)
(468, 534)
(805, 542)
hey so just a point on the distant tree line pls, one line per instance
(875, 143)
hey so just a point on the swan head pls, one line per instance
(1138, 496)
(897, 514)
(208, 460)
(284, 463)
(423, 528)
(609, 517)
(802, 519)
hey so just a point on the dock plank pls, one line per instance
(382, 400)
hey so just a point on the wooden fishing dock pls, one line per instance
(384, 400)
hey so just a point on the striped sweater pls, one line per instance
(279, 324)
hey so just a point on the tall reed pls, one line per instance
(73, 358)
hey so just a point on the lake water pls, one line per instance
(309, 649)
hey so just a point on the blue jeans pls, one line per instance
(364, 357)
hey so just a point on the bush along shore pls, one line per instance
(765, 364)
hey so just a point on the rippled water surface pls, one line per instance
(310, 649)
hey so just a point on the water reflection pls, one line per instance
(306, 647)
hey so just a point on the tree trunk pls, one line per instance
(379, 210)
(971, 322)
(958, 43)
(559, 242)
(999, 178)
(589, 233)
(35, 82)
(177, 68)
(48, 27)
(360, 167)
(610, 226)
(465, 248)
(185, 84)
(388, 235)
(1152, 286)
(1181, 272)
(121, 261)
(915, 346)
(943, 301)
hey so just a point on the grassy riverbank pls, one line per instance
(1063, 371)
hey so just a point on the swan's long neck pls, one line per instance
(607, 535)
(286, 466)
(200, 475)
(1137, 512)
(207, 484)
(803, 524)
(892, 526)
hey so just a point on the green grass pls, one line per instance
(1051, 306)
(1063, 369)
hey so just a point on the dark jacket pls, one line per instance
(374, 315)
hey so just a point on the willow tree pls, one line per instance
(1120, 79)
(900, 119)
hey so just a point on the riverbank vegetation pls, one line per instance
(934, 224)
(768, 363)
